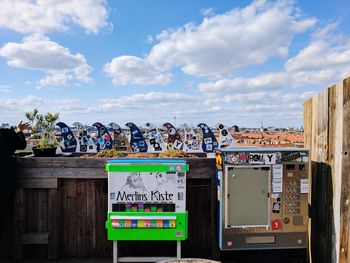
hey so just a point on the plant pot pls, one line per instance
(46, 152)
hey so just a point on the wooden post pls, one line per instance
(345, 188)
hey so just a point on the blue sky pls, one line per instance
(236, 62)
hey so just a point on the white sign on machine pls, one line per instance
(148, 187)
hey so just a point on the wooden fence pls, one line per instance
(61, 208)
(327, 135)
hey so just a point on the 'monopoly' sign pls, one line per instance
(264, 158)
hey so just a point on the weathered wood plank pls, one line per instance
(62, 162)
(345, 185)
(53, 224)
(308, 145)
(31, 210)
(49, 172)
(335, 136)
(42, 215)
(308, 123)
(322, 127)
(81, 217)
(78, 162)
(37, 183)
(201, 168)
(19, 224)
(71, 215)
(91, 218)
(100, 217)
(37, 238)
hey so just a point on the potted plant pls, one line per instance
(43, 130)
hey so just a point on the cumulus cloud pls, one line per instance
(149, 39)
(37, 52)
(319, 55)
(265, 97)
(43, 16)
(207, 11)
(323, 61)
(231, 41)
(27, 102)
(133, 70)
(5, 89)
(269, 81)
(218, 46)
(155, 100)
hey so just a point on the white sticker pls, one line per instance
(304, 186)
(277, 171)
(208, 140)
(274, 196)
(177, 144)
(262, 158)
(277, 185)
(305, 159)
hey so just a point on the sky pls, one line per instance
(245, 63)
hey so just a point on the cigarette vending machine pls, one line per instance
(147, 200)
(262, 197)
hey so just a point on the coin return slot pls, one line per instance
(260, 240)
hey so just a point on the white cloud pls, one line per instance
(5, 89)
(43, 16)
(266, 97)
(207, 11)
(240, 84)
(231, 41)
(126, 70)
(150, 100)
(324, 61)
(269, 81)
(159, 107)
(27, 102)
(40, 53)
(319, 55)
(149, 39)
(218, 46)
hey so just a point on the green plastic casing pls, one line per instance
(177, 233)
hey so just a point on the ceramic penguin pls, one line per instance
(137, 141)
(104, 139)
(191, 140)
(174, 140)
(156, 141)
(209, 142)
(120, 141)
(67, 142)
(86, 144)
(225, 137)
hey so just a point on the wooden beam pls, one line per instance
(46, 183)
(345, 184)
(39, 238)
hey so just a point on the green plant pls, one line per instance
(43, 128)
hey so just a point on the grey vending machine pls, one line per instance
(262, 197)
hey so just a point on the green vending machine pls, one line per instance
(146, 201)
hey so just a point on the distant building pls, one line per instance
(5, 125)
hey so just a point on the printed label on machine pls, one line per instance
(150, 187)
(262, 158)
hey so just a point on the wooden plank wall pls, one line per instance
(327, 135)
(71, 212)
